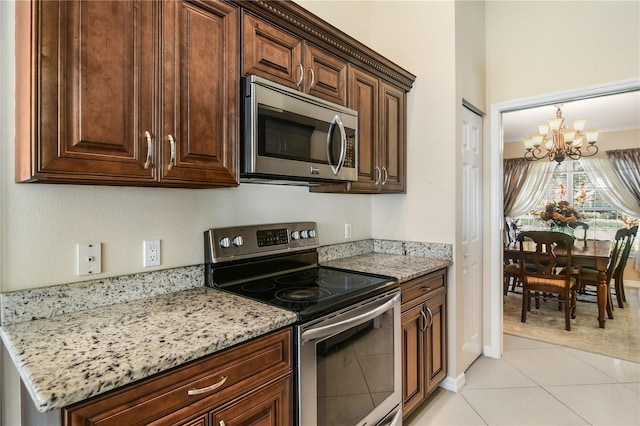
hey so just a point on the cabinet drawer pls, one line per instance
(245, 367)
(422, 286)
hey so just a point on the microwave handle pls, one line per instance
(343, 144)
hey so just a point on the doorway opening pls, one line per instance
(494, 225)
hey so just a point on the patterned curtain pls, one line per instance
(515, 172)
(626, 164)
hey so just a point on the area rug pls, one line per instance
(619, 339)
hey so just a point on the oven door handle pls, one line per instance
(338, 327)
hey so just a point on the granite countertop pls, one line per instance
(401, 267)
(67, 358)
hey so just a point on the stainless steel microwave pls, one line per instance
(291, 137)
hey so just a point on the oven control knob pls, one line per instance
(312, 233)
(295, 235)
(304, 234)
(238, 241)
(225, 242)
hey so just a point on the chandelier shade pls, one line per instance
(556, 142)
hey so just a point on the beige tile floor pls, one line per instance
(538, 383)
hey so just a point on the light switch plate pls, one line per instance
(89, 259)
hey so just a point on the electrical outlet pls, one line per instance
(347, 230)
(151, 253)
(89, 259)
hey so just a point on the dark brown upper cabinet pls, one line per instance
(284, 58)
(110, 93)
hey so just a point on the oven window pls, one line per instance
(355, 371)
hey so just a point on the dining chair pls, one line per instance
(584, 226)
(589, 276)
(540, 275)
(618, 274)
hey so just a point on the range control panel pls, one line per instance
(244, 242)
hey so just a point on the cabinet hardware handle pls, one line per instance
(208, 388)
(301, 68)
(147, 136)
(430, 316)
(424, 321)
(379, 173)
(424, 289)
(386, 175)
(172, 160)
(313, 78)
(222, 423)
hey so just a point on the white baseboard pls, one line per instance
(489, 351)
(454, 384)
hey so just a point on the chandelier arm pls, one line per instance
(590, 148)
(535, 154)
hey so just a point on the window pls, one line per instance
(570, 183)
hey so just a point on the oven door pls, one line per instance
(349, 366)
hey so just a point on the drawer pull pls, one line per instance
(208, 388)
(424, 289)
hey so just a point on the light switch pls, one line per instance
(89, 259)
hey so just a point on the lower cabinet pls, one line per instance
(248, 384)
(424, 338)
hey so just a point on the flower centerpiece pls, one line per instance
(559, 214)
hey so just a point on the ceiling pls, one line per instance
(605, 113)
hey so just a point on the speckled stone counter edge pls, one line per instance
(46, 302)
(403, 248)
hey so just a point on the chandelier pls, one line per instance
(556, 142)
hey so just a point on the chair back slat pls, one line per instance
(544, 259)
(616, 250)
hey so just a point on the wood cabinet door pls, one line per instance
(92, 98)
(393, 141)
(272, 53)
(364, 98)
(325, 75)
(267, 407)
(436, 342)
(413, 344)
(201, 94)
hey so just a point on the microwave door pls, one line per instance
(336, 124)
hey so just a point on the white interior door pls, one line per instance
(470, 283)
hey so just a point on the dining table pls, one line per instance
(593, 254)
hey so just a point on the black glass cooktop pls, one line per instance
(313, 292)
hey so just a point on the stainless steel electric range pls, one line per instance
(347, 336)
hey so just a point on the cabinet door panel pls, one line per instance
(413, 385)
(271, 53)
(326, 75)
(436, 344)
(95, 89)
(363, 97)
(201, 94)
(393, 139)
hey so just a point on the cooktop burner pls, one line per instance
(302, 294)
